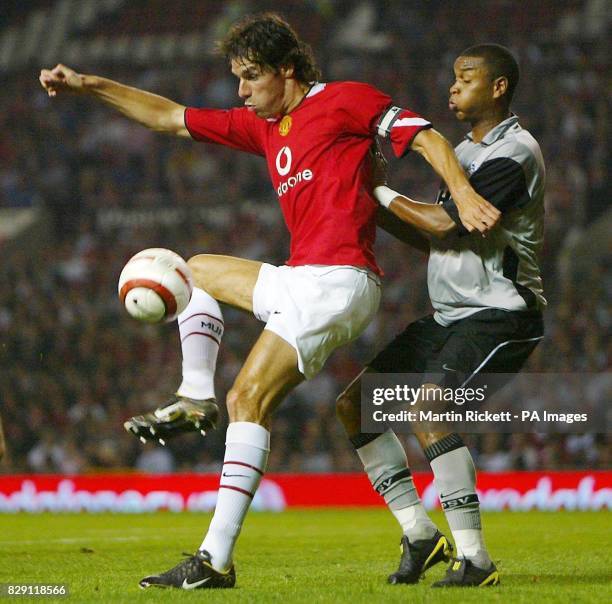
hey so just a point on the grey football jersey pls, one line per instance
(468, 273)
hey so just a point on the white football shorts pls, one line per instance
(316, 308)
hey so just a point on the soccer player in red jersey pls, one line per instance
(315, 138)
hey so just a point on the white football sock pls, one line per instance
(201, 330)
(470, 544)
(415, 522)
(247, 447)
(455, 480)
(386, 465)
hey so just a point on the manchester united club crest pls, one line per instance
(285, 125)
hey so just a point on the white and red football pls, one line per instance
(155, 285)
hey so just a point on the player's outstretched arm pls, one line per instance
(402, 214)
(428, 217)
(151, 110)
(401, 230)
(476, 213)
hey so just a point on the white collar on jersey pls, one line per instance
(316, 88)
(498, 132)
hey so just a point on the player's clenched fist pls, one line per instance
(477, 214)
(60, 78)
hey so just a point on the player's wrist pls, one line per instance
(384, 195)
(89, 83)
(460, 193)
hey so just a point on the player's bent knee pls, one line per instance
(208, 272)
(200, 267)
(243, 405)
(196, 262)
(226, 278)
(233, 405)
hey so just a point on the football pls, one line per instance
(155, 285)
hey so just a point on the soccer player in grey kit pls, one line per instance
(488, 299)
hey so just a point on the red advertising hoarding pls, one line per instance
(198, 492)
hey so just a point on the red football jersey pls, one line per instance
(317, 159)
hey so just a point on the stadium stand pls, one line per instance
(73, 365)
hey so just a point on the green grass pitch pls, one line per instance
(303, 556)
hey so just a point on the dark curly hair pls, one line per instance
(271, 43)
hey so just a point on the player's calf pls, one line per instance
(348, 407)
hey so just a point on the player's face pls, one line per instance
(263, 92)
(471, 95)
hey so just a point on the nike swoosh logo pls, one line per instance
(187, 585)
(447, 368)
(444, 496)
(234, 475)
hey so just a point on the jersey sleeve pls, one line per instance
(400, 126)
(358, 107)
(500, 180)
(235, 128)
(448, 203)
(365, 110)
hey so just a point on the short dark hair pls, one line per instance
(271, 43)
(499, 61)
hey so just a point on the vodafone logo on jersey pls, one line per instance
(284, 159)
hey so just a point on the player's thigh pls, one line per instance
(408, 352)
(269, 373)
(226, 278)
(490, 341)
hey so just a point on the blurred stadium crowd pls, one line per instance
(73, 366)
